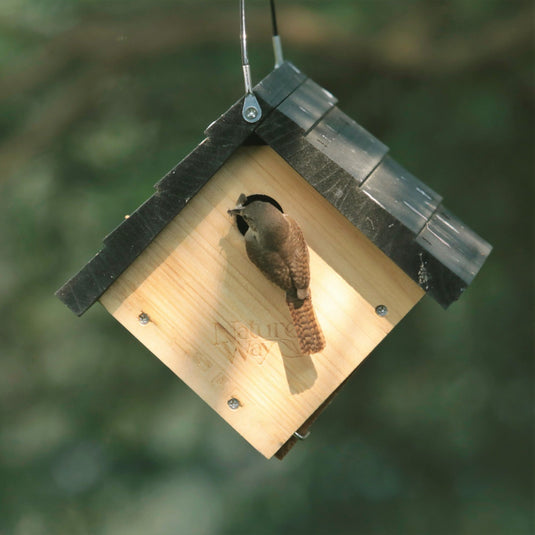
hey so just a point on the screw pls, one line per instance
(143, 318)
(251, 112)
(234, 403)
(381, 310)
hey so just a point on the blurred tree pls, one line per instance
(434, 434)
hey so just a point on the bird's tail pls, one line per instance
(309, 333)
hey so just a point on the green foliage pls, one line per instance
(433, 434)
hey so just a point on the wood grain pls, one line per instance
(225, 330)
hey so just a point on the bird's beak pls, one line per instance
(235, 211)
(239, 205)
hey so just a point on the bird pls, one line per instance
(275, 244)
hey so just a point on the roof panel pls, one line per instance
(275, 87)
(348, 144)
(454, 245)
(332, 153)
(307, 104)
(400, 193)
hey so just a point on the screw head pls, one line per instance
(234, 403)
(381, 310)
(143, 318)
(251, 112)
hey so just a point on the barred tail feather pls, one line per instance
(309, 333)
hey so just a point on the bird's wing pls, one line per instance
(272, 265)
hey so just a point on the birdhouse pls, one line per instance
(175, 273)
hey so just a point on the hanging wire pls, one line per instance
(273, 17)
(251, 108)
(251, 111)
(277, 46)
(244, 58)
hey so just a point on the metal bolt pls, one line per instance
(381, 310)
(234, 403)
(143, 318)
(251, 113)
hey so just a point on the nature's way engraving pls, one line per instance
(255, 341)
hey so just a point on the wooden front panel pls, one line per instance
(225, 330)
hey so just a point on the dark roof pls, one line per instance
(339, 158)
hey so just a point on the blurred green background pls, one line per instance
(433, 434)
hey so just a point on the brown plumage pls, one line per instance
(276, 245)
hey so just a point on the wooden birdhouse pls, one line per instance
(175, 272)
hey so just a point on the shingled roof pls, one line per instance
(347, 165)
